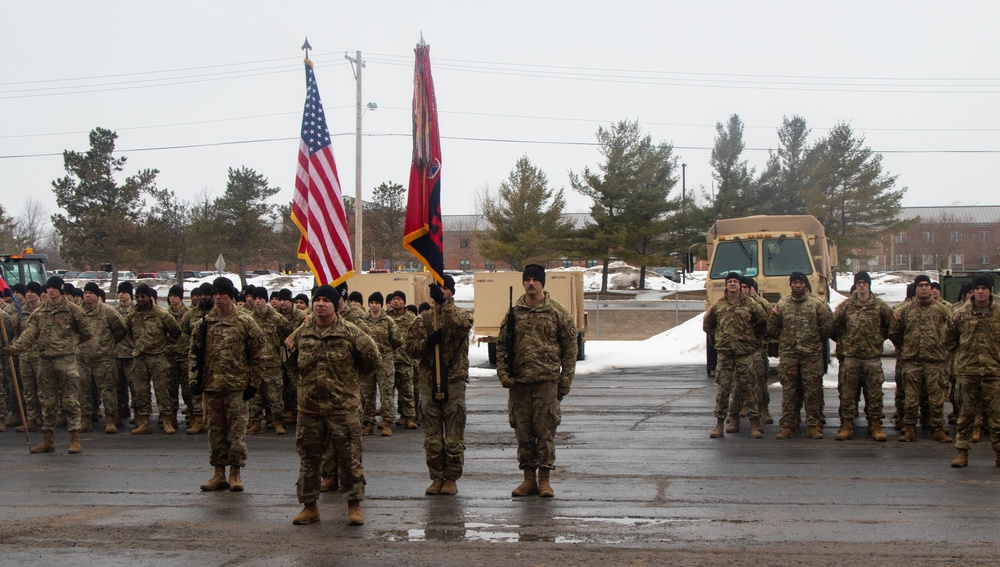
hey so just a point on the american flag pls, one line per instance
(318, 206)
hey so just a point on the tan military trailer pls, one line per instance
(414, 284)
(768, 248)
(493, 291)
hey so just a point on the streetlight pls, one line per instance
(358, 222)
(684, 167)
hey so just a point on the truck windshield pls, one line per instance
(29, 269)
(782, 256)
(738, 256)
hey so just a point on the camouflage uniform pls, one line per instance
(10, 326)
(974, 337)
(444, 421)
(177, 359)
(544, 354)
(295, 317)
(737, 328)
(860, 329)
(356, 316)
(28, 366)
(123, 367)
(404, 367)
(801, 326)
(55, 331)
(188, 322)
(917, 329)
(329, 361)
(763, 366)
(94, 359)
(276, 329)
(234, 355)
(386, 335)
(152, 331)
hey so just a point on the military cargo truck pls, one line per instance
(23, 268)
(768, 248)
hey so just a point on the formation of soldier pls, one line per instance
(936, 344)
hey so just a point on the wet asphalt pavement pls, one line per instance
(638, 481)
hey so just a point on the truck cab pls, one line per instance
(23, 268)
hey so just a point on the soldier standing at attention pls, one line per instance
(28, 362)
(177, 353)
(401, 360)
(123, 357)
(234, 352)
(330, 355)
(272, 388)
(544, 363)
(201, 304)
(801, 323)
(55, 329)
(917, 330)
(294, 316)
(736, 323)
(386, 335)
(152, 329)
(95, 358)
(860, 327)
(10, 325)
(444, 419)
(974, 336)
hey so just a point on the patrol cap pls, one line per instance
(982, 279)
(259, 293)
(144, 289)
(93, 288)
(376, 297)
(55, 282)
(33, 287)
(449, 282)
(176, 290)
(285, 294)
(536, 271)
(125, 287)
(734, 276)
(863, 277)
(798, 277)
(922, 278)
(329, 292)
(224, 286)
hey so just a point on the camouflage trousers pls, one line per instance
(271, 391)
(925, 379)
(99, 374)
(533, 411)
(404, 385)
(313, 435)
(738, 376)
(801, 386)
(226, 419)
(978, 397)
(444, 430)
(29, 370)
(179, 376)
(123, 366)
(865, 374)
(153, 369)
(384, 379)
(58, 384)
(290, 391)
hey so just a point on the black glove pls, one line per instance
(434, 338)
(249, 393)
(437, 294)
(196, 387)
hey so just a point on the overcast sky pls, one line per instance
(193, 88)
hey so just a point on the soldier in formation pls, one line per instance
(152, 330)
(272, 392)
(403, 380)
(96, 362)
(386, 335)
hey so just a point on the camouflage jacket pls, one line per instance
(455, 324)
(403, 321)
(974, 337)
(10, 309)
(329, 362)
(917, 330)
(295, 317)
(107, 327)
(385, 333)
(737, 327)
(11, 326)
(234, 351)
(800, 325)
(54, 330)
(151, 331)
(126, 345)
(26, 311)
(861, 328)
(544, 344)
(276, 329)
(355, 314)
(178, 350)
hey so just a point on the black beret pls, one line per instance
(176, 290)
(982, 279)
(449, 282)
(125, 287)
(33, 287)
(922, 278)
(93, 288)
(55, 282)
(863, 277)
(377, 298)
(259, 293)
(285, 294)
(303, 297)
(798, 277)
(143, 289)
(329, 292)
(224, 286)
(536, 271)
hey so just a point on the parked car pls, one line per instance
(264, 273)
(71, 275)
(189, 274)
(126, 276)
(93, 275)
(146, 276)
(670, 273)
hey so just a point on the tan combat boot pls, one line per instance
(86, 425)
(961, 459)
(74, 442)
(31, 426)
(718, 431)
(13, 420)
(218, 480)
(354, 515)
(875, 428)
(544, 488)
(977, 433)
(47, 445)
(369, 429)
(235, 483)
(410, 423)
(328, 484)
(435, 487)
(846, 431)
(109, 426)
(168, 427)
(386, 429)
(254, 427)
(279, 427)
(734, 424)
(766, 416)
(197, 426)
(940, 435)
(449, 488)
(756, 432)
(530, 485)
(142, 427)
(784, 433)
(308, 515)
(814, 432)
(909, 434)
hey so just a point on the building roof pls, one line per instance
(976, 214)
(468, 223)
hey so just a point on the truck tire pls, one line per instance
(491, 353)
(711, 357)
(579, 347)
